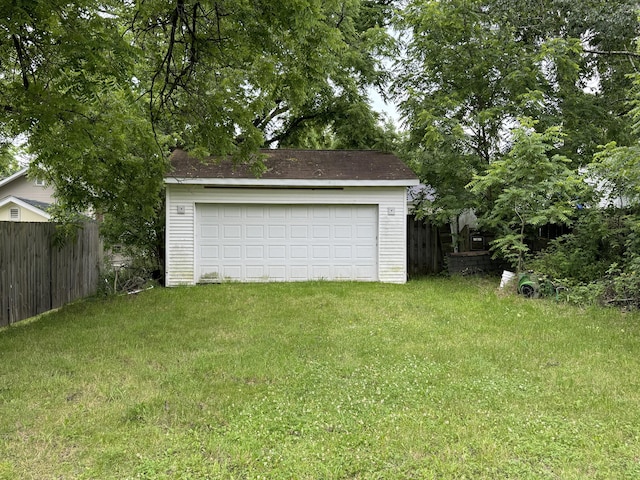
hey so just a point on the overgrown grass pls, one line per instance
(441, 378)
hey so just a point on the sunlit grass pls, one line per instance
(440, 378)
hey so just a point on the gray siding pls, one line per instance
(26, 188)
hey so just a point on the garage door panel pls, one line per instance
(210, 231)
(345, 213)
(232, 232)
(320, 252)
(321, 231)
(254, 211)
(364, 251)
(364, 272)
(299, 251)
(254, 251)
(300, 212)
(343, 272)
(231, 271)
(299, 272)
(321, 212)
(286, 242)
(277, 231)
(255, 232)
(255, 272)
(230, 211)
(277, 252)
(343, 232)
(210, 252)
(212, 212)
(231, 252)
(300, 232)
(321, 272)
(365, 231)
(343, 251)
(276, 272)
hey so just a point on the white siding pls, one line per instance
(24, 187)
(180, 242)
(182, 199)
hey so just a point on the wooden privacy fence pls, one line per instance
(424, 247)
(37, 274)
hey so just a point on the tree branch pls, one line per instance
(291, 127)
(262, 122)
(17, 43)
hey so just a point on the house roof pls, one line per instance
(290, 166)
(31, 205)
(35, 203)
(20, 173)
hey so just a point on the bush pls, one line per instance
(129, 278)
(622, 286)
(599, 262)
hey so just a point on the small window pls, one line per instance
(14, 213)
(39, 182)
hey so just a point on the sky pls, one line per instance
(379, 105)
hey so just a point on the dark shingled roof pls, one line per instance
(35, 203)
(290, 164)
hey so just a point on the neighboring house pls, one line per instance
(312, 215)
(24, 199)
(14, 209)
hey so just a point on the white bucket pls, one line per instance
(506, 278)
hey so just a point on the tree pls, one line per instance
(531, 186)
(8, 162)
(472, 67)
(103, 90)
(456, 89)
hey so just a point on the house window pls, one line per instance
(39, 182)
(14, 213)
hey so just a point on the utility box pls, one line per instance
(477, 242)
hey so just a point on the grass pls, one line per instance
(439, 378)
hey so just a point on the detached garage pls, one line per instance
(312, 215)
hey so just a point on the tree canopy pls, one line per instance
(472, 67)
(103, 90)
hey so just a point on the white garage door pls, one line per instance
(286, 242)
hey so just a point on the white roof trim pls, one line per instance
(20, 173)
(23, 204)
(261, 182)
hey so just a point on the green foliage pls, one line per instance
(530, 186)
(598, 261)
(473, 67)
(584, 255)
(617, 173)
(103, 90)
(120, 279)
(8, 162)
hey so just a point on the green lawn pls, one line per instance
(439, 378)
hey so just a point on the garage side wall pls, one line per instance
(181, 217)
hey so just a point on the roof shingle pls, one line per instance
(292, 164)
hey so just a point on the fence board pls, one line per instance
(37, 274)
